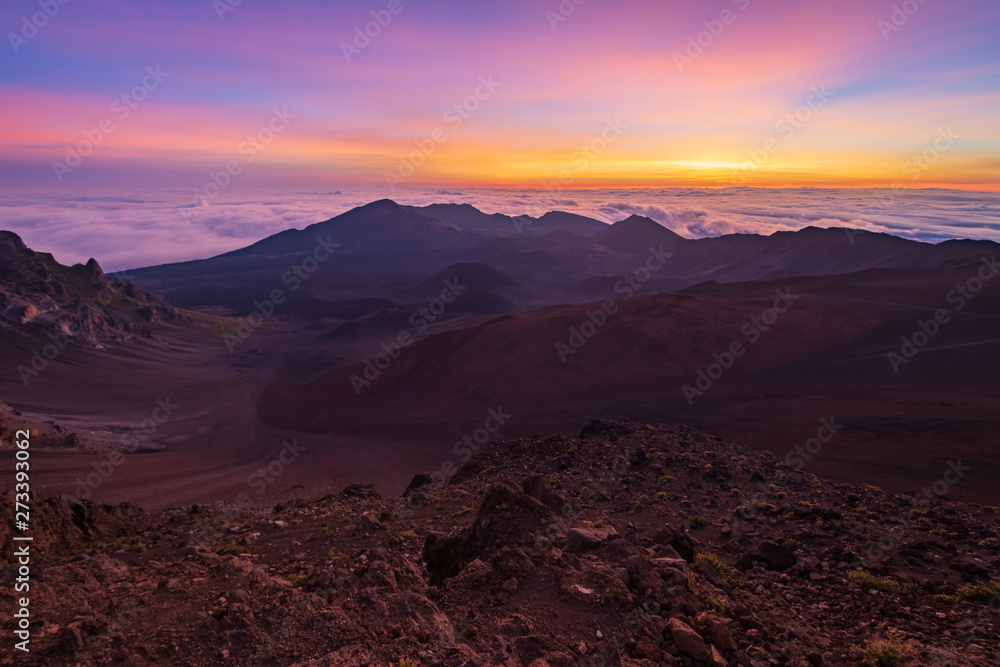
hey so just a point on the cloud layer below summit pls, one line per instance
(136, 228)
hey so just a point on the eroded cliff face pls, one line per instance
(77, 304)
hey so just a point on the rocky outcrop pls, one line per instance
(487, 572)
(78, 304)
(506, 517)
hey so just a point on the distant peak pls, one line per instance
(635, 220)
(812, 229)
(93, 268)
(558, 214)
(382, 203)
(449, 204)
(11, 241)
(641, 222)
(93, 271)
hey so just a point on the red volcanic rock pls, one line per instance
(579, 540)
(497, 586)
(77, 304)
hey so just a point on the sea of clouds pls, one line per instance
(136, 228)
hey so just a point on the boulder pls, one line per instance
(642, 575)
(535, 487)
(417, 483)
(691, 643)
(583, 539)
(513, 563)
(677, 540)
(360, 491)
(506, 517)
(719, 634)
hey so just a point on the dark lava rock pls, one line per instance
(360, 491)
(507, 516)
(535, 487)
(418, 482)
(679, 541)
(773, 556)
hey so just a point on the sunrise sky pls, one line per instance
(892, 89)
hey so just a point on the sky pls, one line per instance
(518, 94)
(156, 131)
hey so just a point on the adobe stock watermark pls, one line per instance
(103, 470)
(797, 457)
(419, 321)
(267, 475)
(293, 278)
(696, 44)
(786, 127)
(597, 319)
(918, 164)
(874, 550)
(454, 116)
(121, 108)
(899, 17)
(31, 25)
(582, 158)
(223, 7)
(40, 357)
(958, 298)
(752, 330)
(363, 35)
(248, 151)
(579, 161)
(467, 447)
(915, 168)
(802, 454)
(562, 12)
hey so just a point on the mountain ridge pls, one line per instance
(370, 250)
